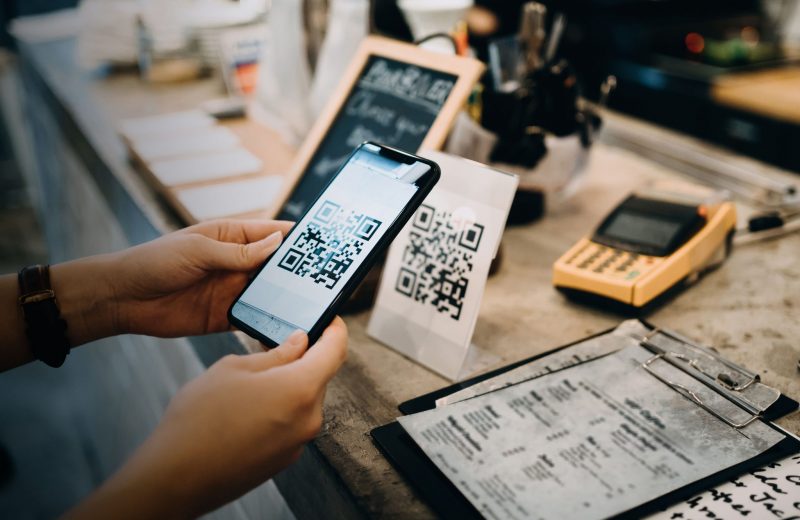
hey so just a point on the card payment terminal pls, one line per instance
(649, 243)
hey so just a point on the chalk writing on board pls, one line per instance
(392, 103)
(410, 83)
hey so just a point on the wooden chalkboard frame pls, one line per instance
(466, 70)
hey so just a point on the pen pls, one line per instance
(606, 88)
(532, 35)
(589, 119)
(494, 67)
(559, 24)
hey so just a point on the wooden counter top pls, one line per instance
(749, 308)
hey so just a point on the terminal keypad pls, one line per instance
(609, 261)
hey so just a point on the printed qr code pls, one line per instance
(325, 249)
(438, 260)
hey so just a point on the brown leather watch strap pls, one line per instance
(34, 284)
(46, 330)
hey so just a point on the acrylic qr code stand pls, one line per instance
(436, 270)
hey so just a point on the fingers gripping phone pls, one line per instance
(333, 245)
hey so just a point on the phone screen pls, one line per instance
(318, 257)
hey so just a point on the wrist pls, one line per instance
(12, 326)
(85, 296)
(137, 490)
(151, 484)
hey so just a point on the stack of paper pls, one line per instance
(231, 198)
(184, 149)
(187, 148)
(165, 124)
(190, 144)
(205, 167)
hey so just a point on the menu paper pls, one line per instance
(629, 332)
(591, 441)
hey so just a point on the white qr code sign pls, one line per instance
(437, 267)
(438, 259)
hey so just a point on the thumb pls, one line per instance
(240, 257)
(290, 350)
(323, 361)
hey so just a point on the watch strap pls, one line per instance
(45, 329)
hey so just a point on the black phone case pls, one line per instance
(361, 270)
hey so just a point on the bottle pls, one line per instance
(348, 23)
(284, 76)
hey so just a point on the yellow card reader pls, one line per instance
(651, 242)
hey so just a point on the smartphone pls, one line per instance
(333, 245)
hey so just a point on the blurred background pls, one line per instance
(10, 9)
(698, 66)
(709, 68)
(722, 71)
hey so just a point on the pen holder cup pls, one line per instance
(556, 177)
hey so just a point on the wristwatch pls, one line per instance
(46, 330)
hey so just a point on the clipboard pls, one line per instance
(448, 502)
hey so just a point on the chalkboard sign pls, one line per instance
(394, 93)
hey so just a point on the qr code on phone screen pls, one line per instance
(438, 260)
(325, 249)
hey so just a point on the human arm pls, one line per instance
(225, 432)
(234, 426)
(180, 284)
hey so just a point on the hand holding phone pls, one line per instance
(333, 245)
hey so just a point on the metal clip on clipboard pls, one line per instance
(732, 381)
